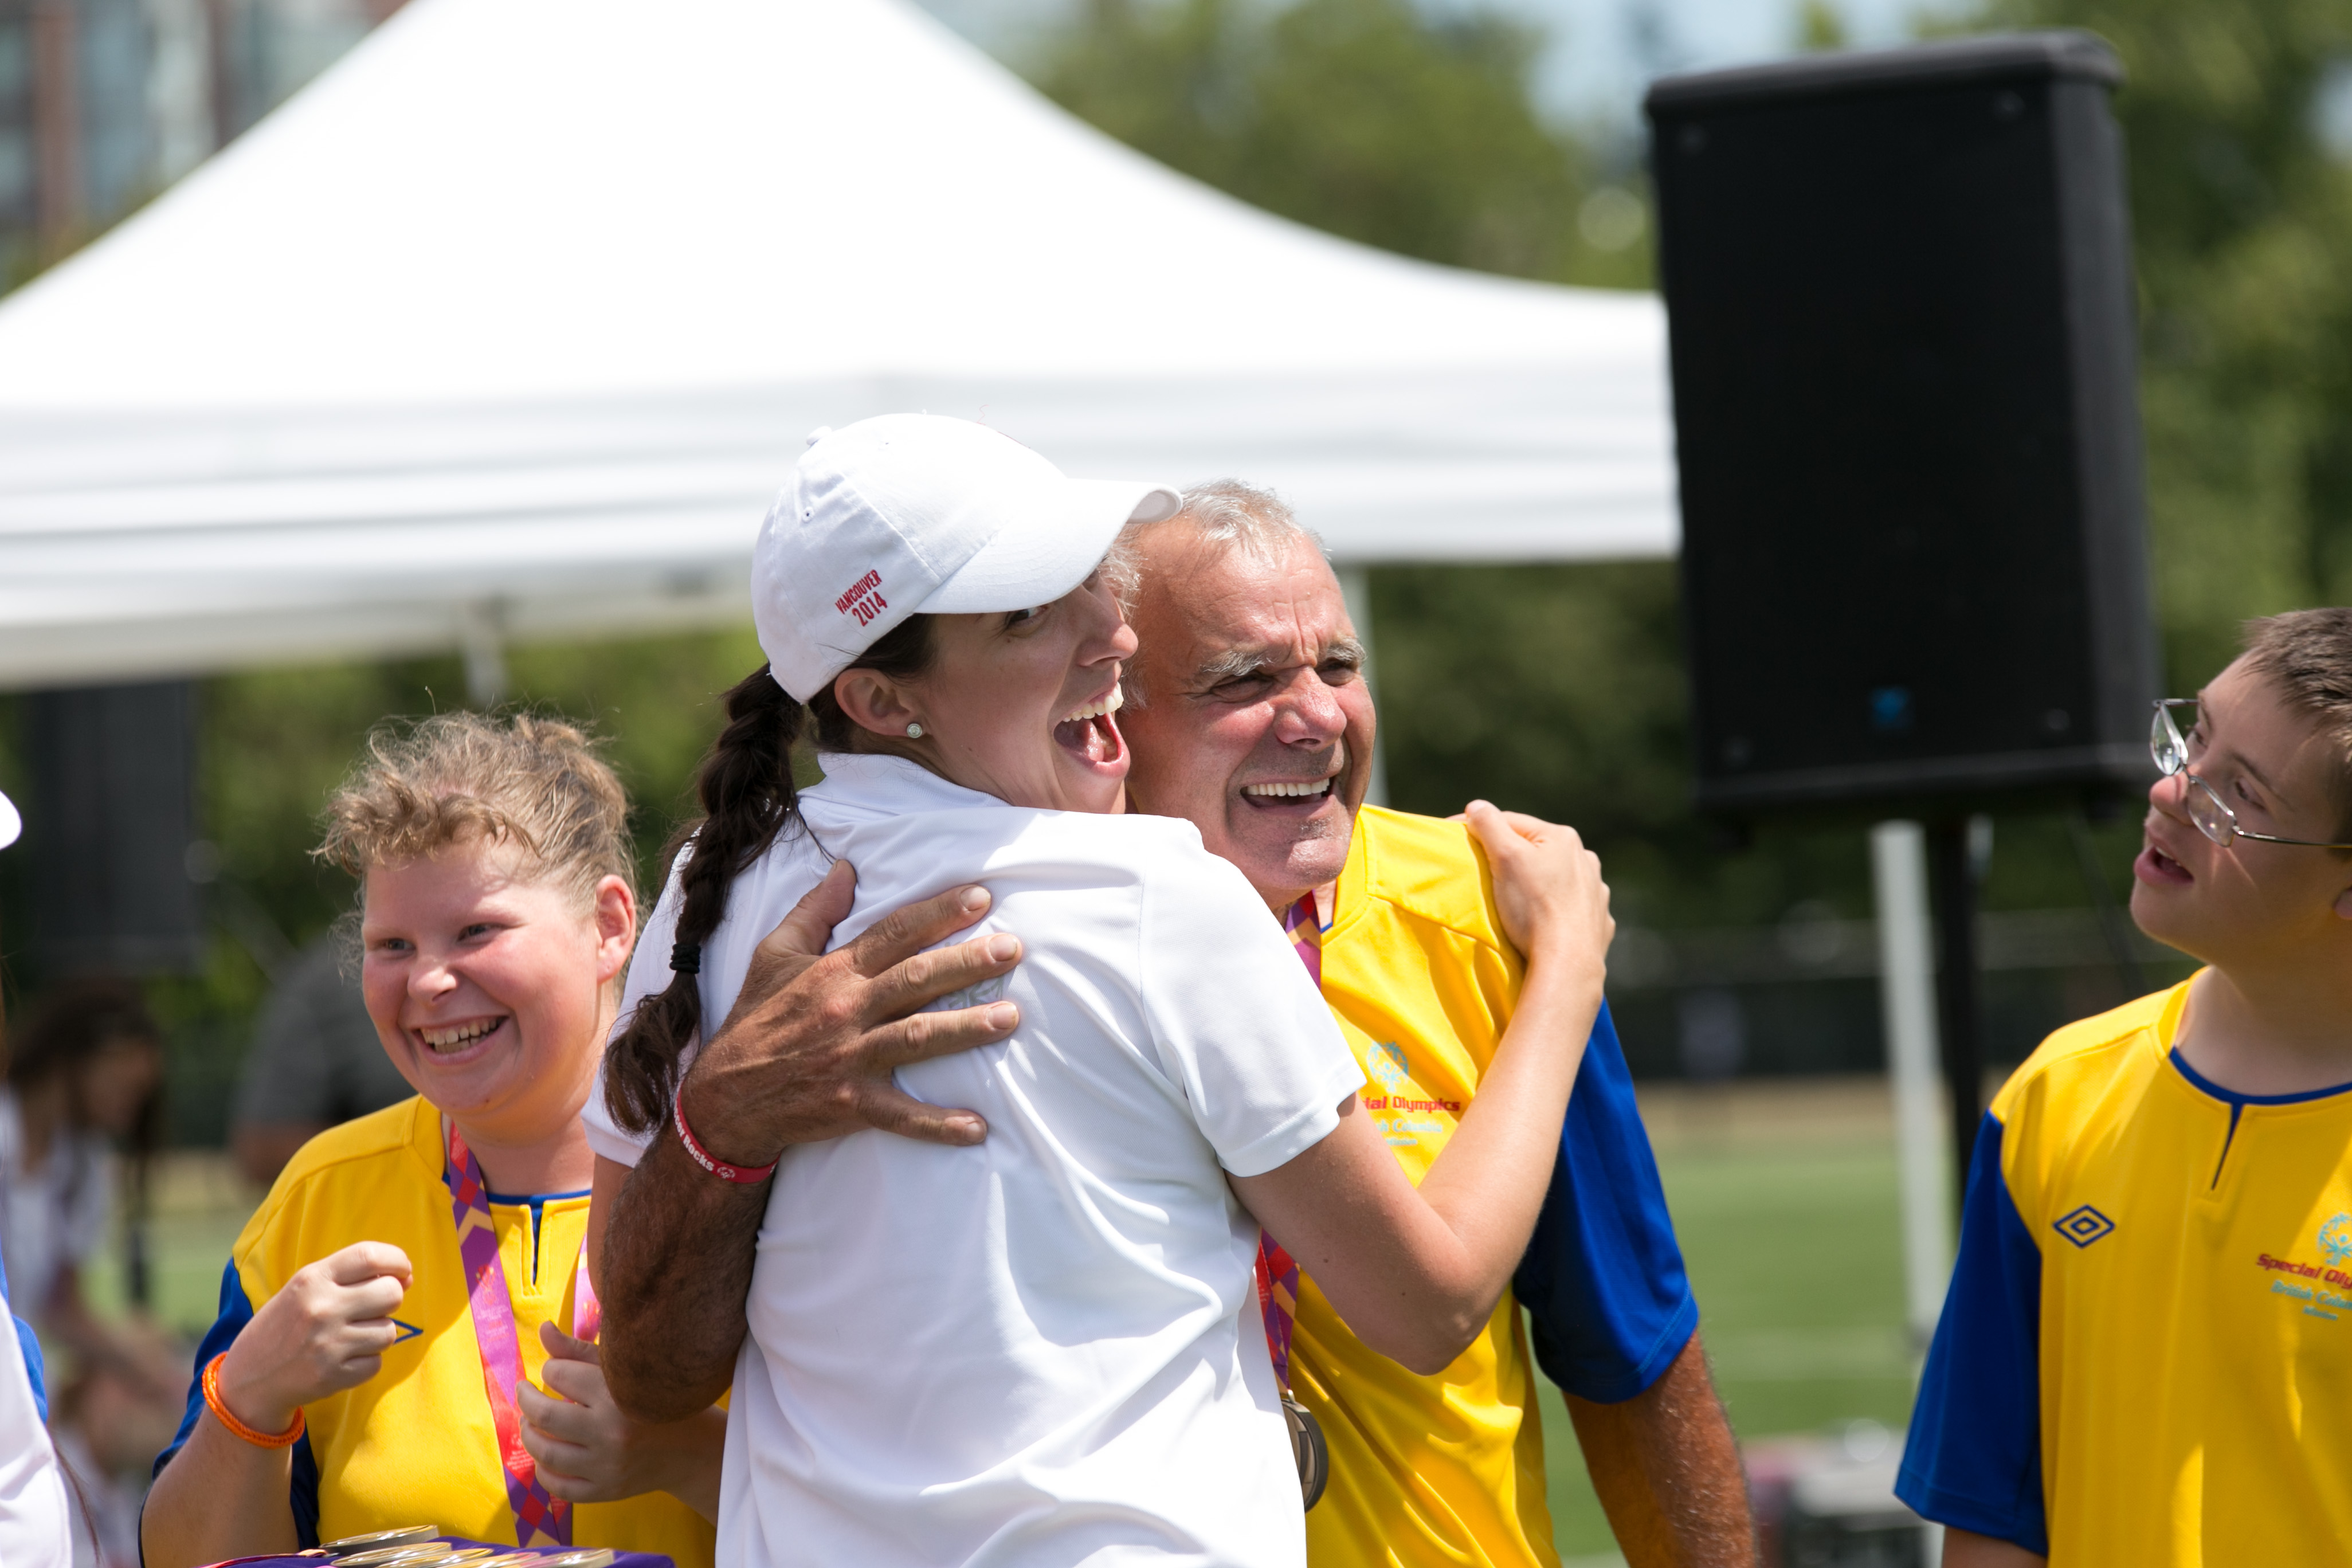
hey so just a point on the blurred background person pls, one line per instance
(85, 1082)
(315, 1062)
(85, 1078)
(107, 1429)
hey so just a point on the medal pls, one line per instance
(406, 1535)
(1277, 1272)
(392, 1556)
(1306, 1446)
(1277, 1298)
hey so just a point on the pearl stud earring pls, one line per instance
(914, 731)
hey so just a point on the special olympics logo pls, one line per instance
(2335, 1241)
(1388, 1068)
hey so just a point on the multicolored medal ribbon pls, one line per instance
(1278, 1275)
(1277, 1298)
(1304, 922)
(540, 1520)
(1277, 1272)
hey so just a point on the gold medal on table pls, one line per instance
(406, 1535)
(589, 1557)
(471, 1556)
(512, 1560)
(412, 1556)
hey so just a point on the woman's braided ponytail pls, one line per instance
(746, 787)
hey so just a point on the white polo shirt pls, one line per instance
(1047, 1349)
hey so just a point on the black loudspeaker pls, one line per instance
(110, 824)
(1899, 288)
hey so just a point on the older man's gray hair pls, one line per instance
(1226, 513)
(1229, 512)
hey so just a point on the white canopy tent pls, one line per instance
(512, 321)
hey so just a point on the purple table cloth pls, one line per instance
(620, 1559)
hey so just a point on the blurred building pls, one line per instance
(104, 102)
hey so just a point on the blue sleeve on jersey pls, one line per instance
(28, 1344)
(1602, 1279)
(235, 1311)
(1974, 1457)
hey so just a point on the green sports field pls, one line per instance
(1783, 1194)
(1784, 1197)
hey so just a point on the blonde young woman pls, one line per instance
(388, 1313)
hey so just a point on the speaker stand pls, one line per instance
(1954, 869)
(1906, 986)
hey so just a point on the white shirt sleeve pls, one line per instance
(1237, 1021)
(649, 974)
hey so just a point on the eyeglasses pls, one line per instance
(2206, 809)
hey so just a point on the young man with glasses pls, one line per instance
(2146, 1353)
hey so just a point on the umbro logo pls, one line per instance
(2083, 1226)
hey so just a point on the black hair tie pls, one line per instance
(686, 958)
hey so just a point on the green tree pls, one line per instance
(2244, 218)
(1559, 689)
(1364, 118)
(1819, 27)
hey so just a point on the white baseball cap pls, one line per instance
(11, 823)
(916, 513)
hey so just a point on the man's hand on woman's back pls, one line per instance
(807, 1051)
(806, 1054)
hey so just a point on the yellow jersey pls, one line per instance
(2146, 1356)
(1450, 1469)
(415, 1443)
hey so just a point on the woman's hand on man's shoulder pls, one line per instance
(1548, 887)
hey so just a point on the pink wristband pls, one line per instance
(742, 1175)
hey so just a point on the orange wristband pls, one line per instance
(222, 1414)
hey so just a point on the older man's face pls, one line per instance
(1255, 726)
